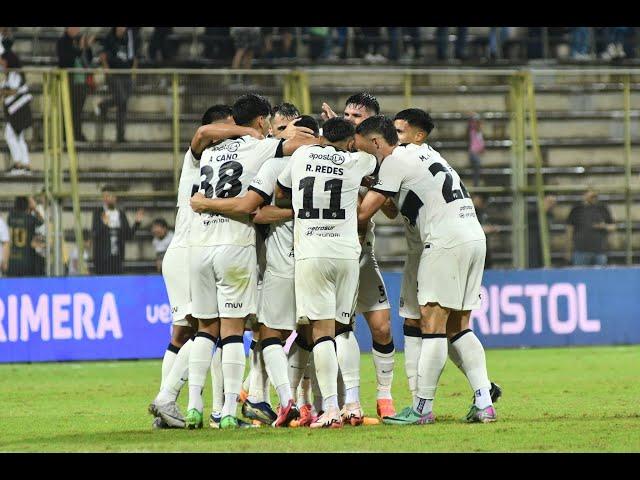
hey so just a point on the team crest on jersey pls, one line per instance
(232, 147)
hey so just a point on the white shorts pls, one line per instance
(277, 308)
(372, 294)
(452, 277)
(326, 288)
(409, 307)
(223, 281)
(175, 272)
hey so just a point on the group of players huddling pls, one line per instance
(267, 199)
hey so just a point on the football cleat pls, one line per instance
(159, 424)
(170, 413)
(306, 415)
(260, 411)
(243, 396)
(229, 422)
(481, 415)
(352, 414)
(286, 414)
(384, 407)
(495, 392)
(409, 416)
(329, 419)
(214, 419)
(194, 419)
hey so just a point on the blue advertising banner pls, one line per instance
(94, 318)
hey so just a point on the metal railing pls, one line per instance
(188, 92)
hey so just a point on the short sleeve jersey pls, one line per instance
(279, 241)
(189, 184)
(226, 170)
(324, 182)
(430, 195)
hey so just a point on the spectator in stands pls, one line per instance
(318, 42)
(442, 38)
(110, 229)
(615, 43)
(39, 241)
(285, 45)
(370, 44)
(74, 255)
(6, 40)
(580, 43)
(4, 246)
(218, 44)
(23, 221)
(413, 35)
(246, 41)
(480, 204)
(161, 239)
(587, 228)
(74, 51)
(497, 37)
(535, 246)
(119, 52)
(160, 47)
(16, 101)
(341, 41)
(476, 146)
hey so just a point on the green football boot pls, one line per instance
(194, 419)
(229, 421)
(409, 417)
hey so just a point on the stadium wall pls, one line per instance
(126, 317)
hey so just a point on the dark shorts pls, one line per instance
(246, 37)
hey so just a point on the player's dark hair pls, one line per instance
(416, 118)
(366, 100)
(309, 122)
(287, 110)
(379, 124)
(337, 129)
(21, 204)
(216, 113)
(11, 58)
(160, 221)
(249, 107)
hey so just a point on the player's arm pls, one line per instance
(272, 214)
(371, 203)
(389, 208)
(207, 134)
(227, 206)
(300, 139)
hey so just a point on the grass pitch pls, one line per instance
(570, 399)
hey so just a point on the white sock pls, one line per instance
(474, 365)
(352, 395)
(217, 386)
(177, 377)
(170, 355)
(383, 360)
(256, 380)
(275, 361)
(199, 363)
(412, 346)
(266, 381)
(233, 363)
(298, 360)
(318, 402)
(330, 402)
(246, 385)
(454, 357)
(326, 361)
(348, 354)
(433, 356)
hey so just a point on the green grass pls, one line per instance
(570, 399)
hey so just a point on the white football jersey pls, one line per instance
(369, 236)
(189, 183)
(226, 170)
(430, 195)
(279, 242)
(324, 183)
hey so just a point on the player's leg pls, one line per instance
(463, 341)
(217, 387)
(410, 312)
(346, 287)
(374, 304)
(438, 293)
(236, 282)
(316, 301)
(257, 405)
(348, 353)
